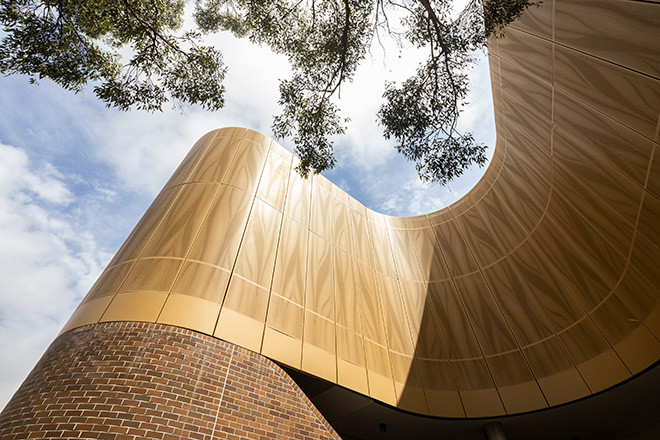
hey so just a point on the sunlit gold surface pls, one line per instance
(537, 288)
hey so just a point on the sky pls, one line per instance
(75, 178)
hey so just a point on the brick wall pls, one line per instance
(128, 380)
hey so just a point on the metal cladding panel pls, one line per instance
(538, 288)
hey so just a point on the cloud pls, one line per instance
(415, 197)
(48, 260)
(46, 185)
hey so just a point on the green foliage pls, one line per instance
(75, 42)
(41, 43)
(78, 42)
(326, 39)
(421, 115)
(498, 13)
(311, 120)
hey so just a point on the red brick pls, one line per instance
(128, 381)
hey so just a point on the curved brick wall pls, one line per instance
(129, 380)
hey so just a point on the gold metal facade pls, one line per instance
(540, 287)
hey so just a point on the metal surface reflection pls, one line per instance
(538, 288)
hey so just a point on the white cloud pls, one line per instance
(416, 197)
(46, 185)
(47, 262)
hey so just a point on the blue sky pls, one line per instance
(75, 177)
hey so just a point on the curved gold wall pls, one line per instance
(538, 288)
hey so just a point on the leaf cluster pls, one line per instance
(422, 113)
(76, 42)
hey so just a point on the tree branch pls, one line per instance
(155, 34)
(445, 56)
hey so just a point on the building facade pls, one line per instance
(537, 289)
